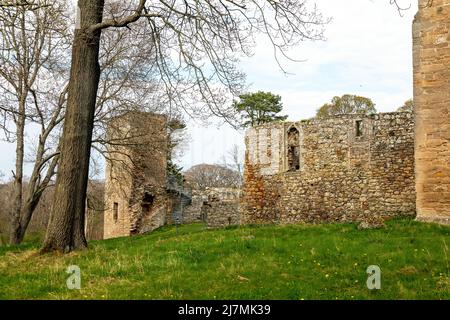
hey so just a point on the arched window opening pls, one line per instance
(359, 128)
(293, 149)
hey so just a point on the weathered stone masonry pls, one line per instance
(217, 207)
(347, 168)
(431, 33)
(136, 199)
(222, 207)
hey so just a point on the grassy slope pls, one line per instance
(270, 262)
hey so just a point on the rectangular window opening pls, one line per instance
(293, 149)
(359, 131)
(116, 211)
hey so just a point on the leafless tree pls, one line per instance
(31, 93)
(128, 82)
(34, 92)
(197, 44)
(5, 193)
(95, 210)
(400, 8)
(39, 221)
(234, 160)
(212, 176)
(29, 5)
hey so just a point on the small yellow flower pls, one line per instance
(327, 275)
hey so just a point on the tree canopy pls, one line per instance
(408, 106)
(204, 176)
(346, 104)
(258, 108)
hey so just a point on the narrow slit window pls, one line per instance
(293, 149)
(115, 211)
(359, 127)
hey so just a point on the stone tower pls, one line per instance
(431, 33)
(135, 191)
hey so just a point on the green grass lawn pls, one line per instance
(266, 262)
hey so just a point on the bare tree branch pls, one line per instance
(28, 5)
(399, 7)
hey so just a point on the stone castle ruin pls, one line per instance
(136, 199)
(349, 168)
(139, 195)
(222, 207)
(362, 168)
(346, 168)
(217, 207)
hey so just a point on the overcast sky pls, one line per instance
(368, 52)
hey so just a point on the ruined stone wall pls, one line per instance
(117, 192)
(348, 168)
(222, 208)
(222, 214)
(217, 207)
(193, 212)
(431, 33)
(135, 191)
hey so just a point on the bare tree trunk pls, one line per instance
(26, 214)
(18, 176)
(33, 39)
(35, 191)
(65, 231)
